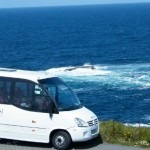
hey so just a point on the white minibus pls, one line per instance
(37, 107)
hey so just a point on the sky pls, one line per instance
(41, 3)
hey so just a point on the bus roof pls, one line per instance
(24, 74)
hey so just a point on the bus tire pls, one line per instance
(61, 140)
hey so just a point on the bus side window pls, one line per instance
(23, 95)
(7, 88)
(1, 97)
(4, 91)
(1, 92)
(42, 100)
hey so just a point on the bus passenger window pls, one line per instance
(42, 100)
(4, 92)
(23, 95)
(1, 98)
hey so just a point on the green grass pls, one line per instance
(115, 132)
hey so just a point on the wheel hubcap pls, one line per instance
(60, 140)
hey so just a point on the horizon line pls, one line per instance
(68, 5)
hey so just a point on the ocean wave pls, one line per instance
(137, 125)
(129, 76)
(146, 117)
(146, 100)
(78, 71)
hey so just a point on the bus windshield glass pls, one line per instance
(65, 98)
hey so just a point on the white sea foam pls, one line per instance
(147, 100)
(146, 117)
(131, 76)
(78, 71)
(137, 125)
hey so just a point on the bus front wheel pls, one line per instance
(61, 140)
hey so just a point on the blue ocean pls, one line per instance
(114, 39)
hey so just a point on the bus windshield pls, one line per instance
(65, 98)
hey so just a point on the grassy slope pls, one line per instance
(115, 132)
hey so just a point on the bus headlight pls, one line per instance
(80, 122)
